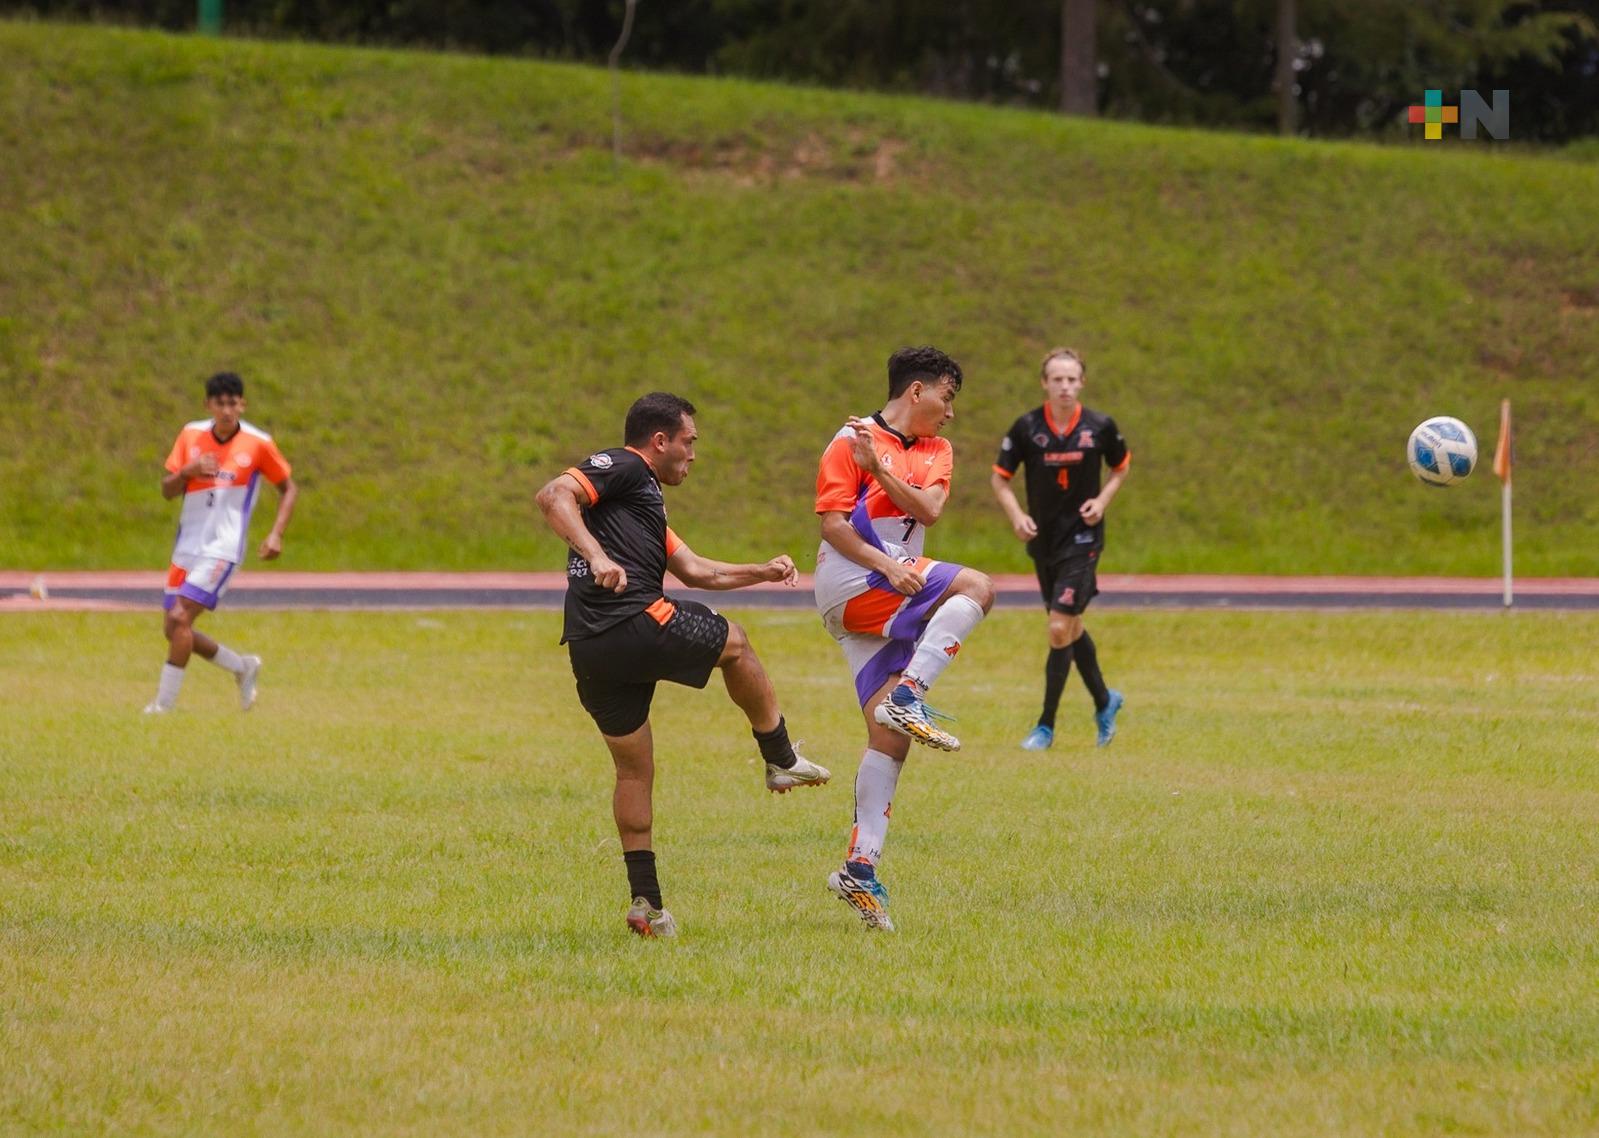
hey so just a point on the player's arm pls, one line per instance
(561, 501)
(837, 532)
(272, 544)
(1093, 510)
(1021, 522)
(702, 573)
(173, 482)
(925, 505)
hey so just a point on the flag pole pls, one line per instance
(1502, 463)
(1506, 500)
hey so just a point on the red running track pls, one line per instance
(261, 588)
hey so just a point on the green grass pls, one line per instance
(1337, 875)
(441, 292)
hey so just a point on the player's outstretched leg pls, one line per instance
(964, 604)
(751, 688)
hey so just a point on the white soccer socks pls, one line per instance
(951, 624)
(874, 798)
(228, 660)
(166, 692)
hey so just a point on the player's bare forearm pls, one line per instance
(172, 485)
(925, 505)
(702, 573)
(1005, 495)
(838, 533)
(288, 494)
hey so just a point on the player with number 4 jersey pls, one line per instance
(1065, 449)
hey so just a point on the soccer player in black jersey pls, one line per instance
(625, 635)
(1064, 446)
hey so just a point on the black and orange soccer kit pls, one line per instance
(623, 644)
(1064, 463)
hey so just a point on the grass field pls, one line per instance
(1337, 875)
(441, 292)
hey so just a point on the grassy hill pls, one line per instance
(440, 291)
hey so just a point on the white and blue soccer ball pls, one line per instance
(1442, 450)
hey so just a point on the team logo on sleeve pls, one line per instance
(1005, 443)
(600, 461)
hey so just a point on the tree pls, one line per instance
(1079, 58)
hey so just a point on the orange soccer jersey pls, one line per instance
(216, 511)
(842, 485)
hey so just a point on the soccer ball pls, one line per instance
(1442, 450)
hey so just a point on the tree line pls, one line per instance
(1325, 68)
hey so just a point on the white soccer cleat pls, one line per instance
(648, 921)
(781, 780)
(904, 710)
(247, 678)
(154, 708)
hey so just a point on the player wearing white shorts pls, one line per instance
(217, 464)
(899, 616)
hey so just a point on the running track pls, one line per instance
(259, 588)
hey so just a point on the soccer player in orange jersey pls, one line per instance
(900, 617)
(1064, 447)
(217, 464)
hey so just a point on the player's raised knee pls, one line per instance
(976, 585)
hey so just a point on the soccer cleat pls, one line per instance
(1040, 738)
(865, 895)
(154, 708)
(904, 710)
(648, 921)
(781, 780)
(247, 678)
(1106, 720)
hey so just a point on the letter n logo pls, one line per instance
(1496, 118)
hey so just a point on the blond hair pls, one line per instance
(1062, 354)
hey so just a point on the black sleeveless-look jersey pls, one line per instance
(627, 516)
(1063, 462)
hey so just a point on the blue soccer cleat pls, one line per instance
(1106, 720)
(1040, 738)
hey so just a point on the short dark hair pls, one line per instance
(224, 383)
(657, 411)
(927, 364)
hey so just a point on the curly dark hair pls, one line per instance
(657, 411)
(927, 364)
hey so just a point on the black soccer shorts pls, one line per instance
(1069, 582)
(616, 671)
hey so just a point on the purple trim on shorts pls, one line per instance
(911, 621)
(209, 600)
(890, 658)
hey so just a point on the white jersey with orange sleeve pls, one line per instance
(215, 522)
(842, 485)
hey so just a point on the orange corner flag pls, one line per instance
(1502, 451)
